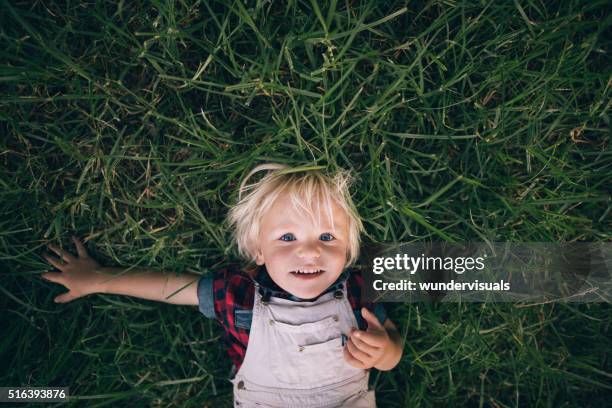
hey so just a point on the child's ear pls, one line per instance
(259, 258)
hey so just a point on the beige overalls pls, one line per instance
(295, 356)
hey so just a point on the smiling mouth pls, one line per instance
(308, 272)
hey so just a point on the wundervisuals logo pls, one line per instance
(500, 271)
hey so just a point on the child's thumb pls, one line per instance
(371, 319)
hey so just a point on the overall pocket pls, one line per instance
(307, 355)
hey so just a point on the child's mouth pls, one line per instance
(309, 274)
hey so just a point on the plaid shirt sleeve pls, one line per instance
(354, 286)
(221, 296)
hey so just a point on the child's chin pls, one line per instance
(306, 294)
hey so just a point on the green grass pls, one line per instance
(131, 123)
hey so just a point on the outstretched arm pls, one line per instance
(82, 276)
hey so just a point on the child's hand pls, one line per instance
(83, 276)
(366, 348)
(78, 274)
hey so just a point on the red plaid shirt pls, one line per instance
(228, 295)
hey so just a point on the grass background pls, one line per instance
(130, 124)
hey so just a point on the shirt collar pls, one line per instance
(266, 284)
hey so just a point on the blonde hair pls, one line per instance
(306, 186)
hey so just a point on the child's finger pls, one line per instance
(374, 339)
(52, 276)
(363, 346)
(62, 253)
(352, 360)
(63, 298)
(373, 322)
(356, 352)
(53, 261)
(80, 247)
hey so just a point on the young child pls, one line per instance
(297, 330)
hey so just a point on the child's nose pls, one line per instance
(309, 250)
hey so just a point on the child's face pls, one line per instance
(290, 242)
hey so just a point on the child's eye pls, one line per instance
(291, 237)
(327, 236)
